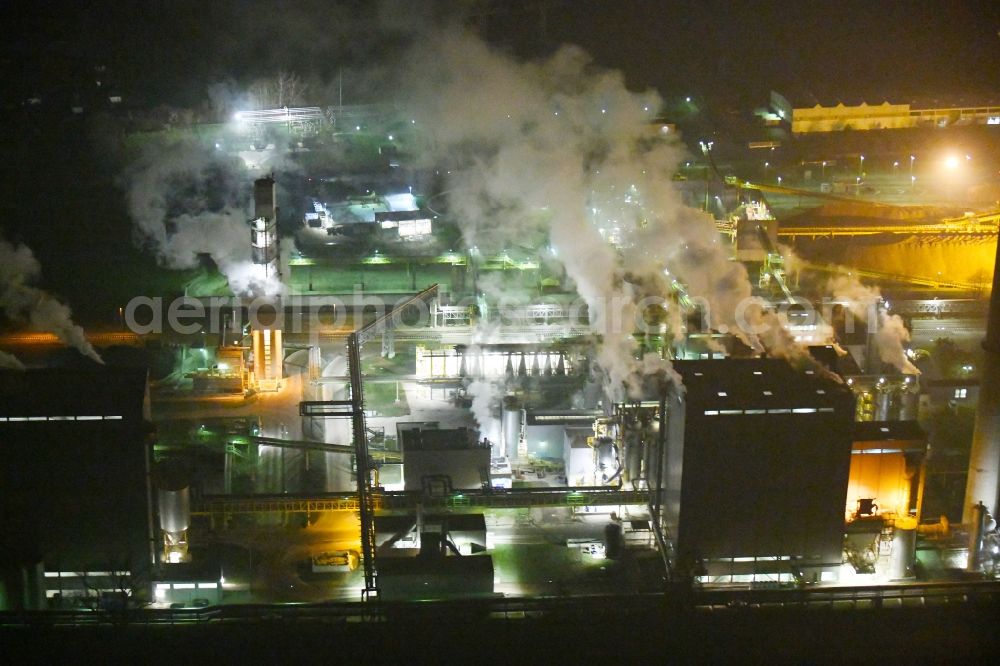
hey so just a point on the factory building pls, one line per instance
(75, 514)
(750, 480)
(493, 360)
(437, 461)
(885, 477)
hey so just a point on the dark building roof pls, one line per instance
(434, 439)
(843, 364)
(74, 480)
(758, 383)
(64, 392)
(758, 465)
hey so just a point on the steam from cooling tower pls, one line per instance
(186, 199)
(891, 335)
(19, 300)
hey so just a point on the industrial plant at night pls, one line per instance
(467, 325)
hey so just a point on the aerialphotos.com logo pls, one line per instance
(618, 315)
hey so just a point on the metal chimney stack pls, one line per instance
(984, 460)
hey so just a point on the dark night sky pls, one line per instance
(169, 50)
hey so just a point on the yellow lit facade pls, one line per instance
(882, 477)
(268, 359)
(887, 116)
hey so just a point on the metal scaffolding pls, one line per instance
(355, 410)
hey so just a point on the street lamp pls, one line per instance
(766, 164)
(913, 182)
(895, 168)
(912, 157)
(861, 165)
(824, 170)
(779, 180)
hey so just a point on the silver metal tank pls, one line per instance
(175, 509)
(633, 455)
(904, 549)
(511, 421)
(883, 403)
(909, 400)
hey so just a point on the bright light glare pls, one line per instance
(951, 163)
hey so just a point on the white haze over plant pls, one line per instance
(187, 199)
(22, 301)
(537, 154)
(891, 334)
(551, 152)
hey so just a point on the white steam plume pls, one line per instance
(186, 199)
(486, 396)
(891, 335)
(561, 149)
(486, 392)
(20, 300)
(10, 362)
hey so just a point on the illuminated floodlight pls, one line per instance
(687, 99)
(951, 163)
(376, 258)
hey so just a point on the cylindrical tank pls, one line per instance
(511, 423)
(175, 509)
(22, 585)
(883, 403)
(976, 526)
(909, 401)
(633, 455)
(904, 548)
(612, 541)
(605, 459)
(315, 362)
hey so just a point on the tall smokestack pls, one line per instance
(984, 460)
(264, 227)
